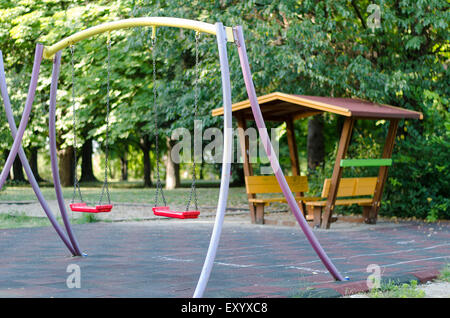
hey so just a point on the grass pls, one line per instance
(123, 193)
(445, 274)
(391, 290)
(20, 219)
(206, 196)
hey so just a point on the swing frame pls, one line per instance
(223, 35)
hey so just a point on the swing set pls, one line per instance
(157, 210)
(82, 206)
(224, 35)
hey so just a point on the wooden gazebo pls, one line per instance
(281, 107)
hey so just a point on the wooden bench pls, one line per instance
(348, 189)
(269, 184)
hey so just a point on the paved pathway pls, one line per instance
(164, 258)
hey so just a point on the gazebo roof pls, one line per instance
(278, 106)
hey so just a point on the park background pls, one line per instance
(324, 48)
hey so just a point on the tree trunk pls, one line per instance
(145, 146)
(5, 157)
(18, 170)
(172, 168)
(237, 175)
(87, 172)
(202, 168)
(34, 163)
(66, 166)
(315, 142)
(124, 165)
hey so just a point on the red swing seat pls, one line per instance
(83, 207)
(167, 212)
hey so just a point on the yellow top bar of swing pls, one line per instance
(198, 26)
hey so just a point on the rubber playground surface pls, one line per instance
(164, 259)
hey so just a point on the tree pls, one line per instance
(33, 158)
(324, 48)
(87, 173)
(172, 168)
(316, 142)
(48, 21)
(124, 163)
(146, 146)
(18, 175)
(66, 165)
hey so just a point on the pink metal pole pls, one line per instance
(273, 159)
(23, 158)
(53, 154)
(25, 116)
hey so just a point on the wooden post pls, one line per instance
(317, 214)
(292, 147)
(382, 174)
(259, 214)
(337, 171)
(248, 171)
(293, 154)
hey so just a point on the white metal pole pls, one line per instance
(226, 163)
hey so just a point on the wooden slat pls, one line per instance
(346, 187)
(366, 201)
(282, 199)
(269, 184)
(350, 187)
(365, 186)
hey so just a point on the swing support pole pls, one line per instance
(271, 154)
(53, 153)
(22, 156)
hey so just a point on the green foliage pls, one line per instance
(418, 184)
(303, 47)
(445, 274)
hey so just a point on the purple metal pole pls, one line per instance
(273, 159)
(25, 116)
(53, 154)
(23, 158)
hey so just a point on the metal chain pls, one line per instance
(193, 191)
(105, 182)
(159, 187)
(76, 184)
